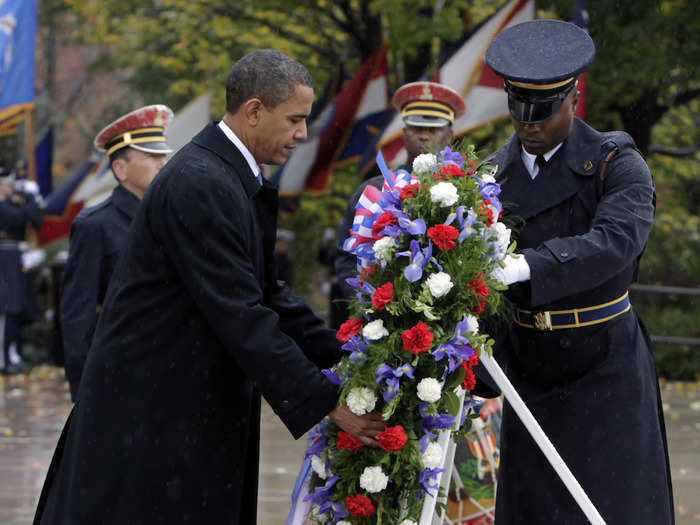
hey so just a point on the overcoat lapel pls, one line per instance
(264, 198)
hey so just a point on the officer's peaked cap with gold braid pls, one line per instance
(142, 129)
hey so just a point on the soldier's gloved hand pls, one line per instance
(28, 187)
(516, 270)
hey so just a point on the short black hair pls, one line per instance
(267, 74)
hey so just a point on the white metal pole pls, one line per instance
(541, 439)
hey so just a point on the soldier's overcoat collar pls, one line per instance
(577, 159)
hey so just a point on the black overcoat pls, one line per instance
(194, 327)
(14, 218)
(97, 237)
(593, 389)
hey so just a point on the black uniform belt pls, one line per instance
(574, 318)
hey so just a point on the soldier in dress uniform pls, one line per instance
(137, 150)
(428, 110)
(582, 205)
(20, 205)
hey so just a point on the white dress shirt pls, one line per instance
(529, 159)
(247, 155)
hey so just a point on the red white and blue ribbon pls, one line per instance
(371, 204)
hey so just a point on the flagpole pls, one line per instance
(541, 439)
(29, 140)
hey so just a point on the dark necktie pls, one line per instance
(539, 160)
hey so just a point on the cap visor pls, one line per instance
(152, 147)
(424, 121)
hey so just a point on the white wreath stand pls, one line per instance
(430, 517)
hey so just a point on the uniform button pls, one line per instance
(564, 254)
(285, 404)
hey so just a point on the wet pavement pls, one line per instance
(33, 408)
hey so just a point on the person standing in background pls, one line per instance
(137, 150)
(20, 206)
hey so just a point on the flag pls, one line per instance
(464, 71)
(17, 27)
(373, 114)
(43, 153)
(64, 204)
(43, 158)
(580, 18)
(309, 167)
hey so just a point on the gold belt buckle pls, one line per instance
(543, 321)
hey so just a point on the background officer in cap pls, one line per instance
(20, 205)
(582, 204)
(428, 110)
(137, 150)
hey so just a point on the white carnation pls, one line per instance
(424, 163)
(432, 457)
(382, 249)
(444, 193)
(472, 324)
(373, 480)
(319, 467)
(360, 401)
(429, 390)
(343, 522)
(374, 330)
(439, 284)
(488, 178)
(499, 234)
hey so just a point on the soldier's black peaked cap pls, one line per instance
(540, 52)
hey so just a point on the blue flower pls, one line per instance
(427, 476)
(391, 376)
(451, 157)
(357, 347)
(322, 494)
(419, 259)
(466, 225)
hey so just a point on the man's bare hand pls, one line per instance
(362, 428)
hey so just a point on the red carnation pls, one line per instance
(392, 439)
(469, 381)
(350, 327)
(385, 219)
(382, 296)
(450, 170)
(486, 213)
(443, 236)
(359, 506)
(417, 339)
(409, 191)
(347, 442)
(365, 273)
(479, 287)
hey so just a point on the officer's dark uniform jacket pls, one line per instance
(593, 389)
(194, 329)
(14, 218)
(97, 237)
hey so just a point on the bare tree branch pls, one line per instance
(671, 152)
